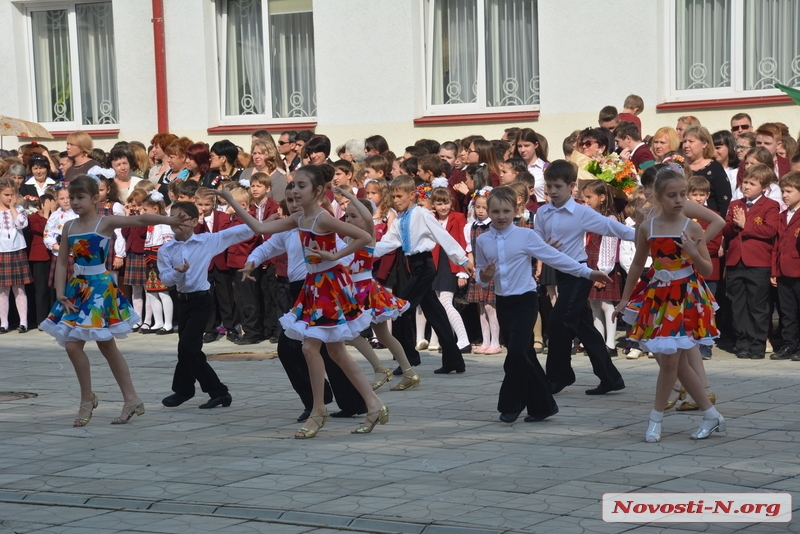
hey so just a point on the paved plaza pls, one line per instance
(443, 465)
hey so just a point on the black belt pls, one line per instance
(193, 294)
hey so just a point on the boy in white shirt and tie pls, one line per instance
(183, 262)
(503, 254)
(563, 223)
(417, 232)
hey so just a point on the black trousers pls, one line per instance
(247, 301)
(268, 283)
(192, 365)
(43, 293)
(221, 299)
(290, 353)
(418, 291)
(524, 384)
(789, 298)
(748, 290)
(571, 317)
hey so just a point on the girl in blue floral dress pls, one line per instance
(89, 306)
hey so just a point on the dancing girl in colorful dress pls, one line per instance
(90, 307)
(675, 312)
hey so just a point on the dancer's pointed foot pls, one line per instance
(86, 408)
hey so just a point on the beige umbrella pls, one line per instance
(21, 128)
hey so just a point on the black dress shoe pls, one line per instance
(303, 416)
(743, 354)
(537, 418)
(209, 337)
(796, 357)
(602, 389)
(223, 400)
(785, 353)
(557, 387)
(164, 331)
(274, 339)
(346, 413)
(174, 400)
(467, 350)
(448, 370)
(247, 341)
(612, 353)
(233, 337)
(509, 417)
(757, 355)
(149, 330)
(5, 331)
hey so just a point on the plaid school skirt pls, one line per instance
(478, 293)
(14, 269)
(135, 269)
(70, 269)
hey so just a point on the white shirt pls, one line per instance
(11, 238)
(468, 230)
(511, 251)
(537, 170)
(426, 233)
(789, 215)
(285, 242)
(54, 227)
(40, 190)
(569, 223)
(158, 236)
(198, 250)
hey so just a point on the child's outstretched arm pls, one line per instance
(112, 222)
(360, 238)
(369, 226)
(637, 266)
(266, 227)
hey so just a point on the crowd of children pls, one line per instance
(214, 241)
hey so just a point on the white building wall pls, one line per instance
(371, 73)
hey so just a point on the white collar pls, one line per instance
(47, 181)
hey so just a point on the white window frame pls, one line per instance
(736, 89)
(470, 108)
(221, 9)
(75, 81)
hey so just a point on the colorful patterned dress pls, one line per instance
(103, 312)
(478, 293)
(371, 296)
(326, 309)
(673, 309)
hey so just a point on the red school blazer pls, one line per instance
(135, 238)
(753, 244)
(713, 247)
(219, 261)
(236, 255)
(36, 249)
(455, 227)
(786, 252)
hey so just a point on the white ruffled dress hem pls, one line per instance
(300, 330)
(671, 345)
(64, 333)
(389, 315)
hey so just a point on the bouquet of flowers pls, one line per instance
(615, 171)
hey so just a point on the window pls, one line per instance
(735, 46)
(74, 66)
(482, 55)
(288, 28)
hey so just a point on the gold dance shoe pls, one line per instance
(305, 433)
(83, 421)
(385, 376)
(381, 416)
(407, 382)
(129, 410)
(681, 395)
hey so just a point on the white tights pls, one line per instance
(490, 328)
(456, 322)
(141, 307)
(161, 304)
(603, 312)
(22, 305)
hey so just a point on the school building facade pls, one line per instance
(405, 69)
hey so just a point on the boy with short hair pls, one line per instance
(342, 173)
(377, 167)
(504, 254)
(417, 232)
(632, 107)
(183, 262)
(263, 207)
(608, 118)
(786, 268)
(698, 190)
(633, 148)
(563, 223)
(187, 190)
(750, 230)
(769, 136)
(429, 167)
(796, 162)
